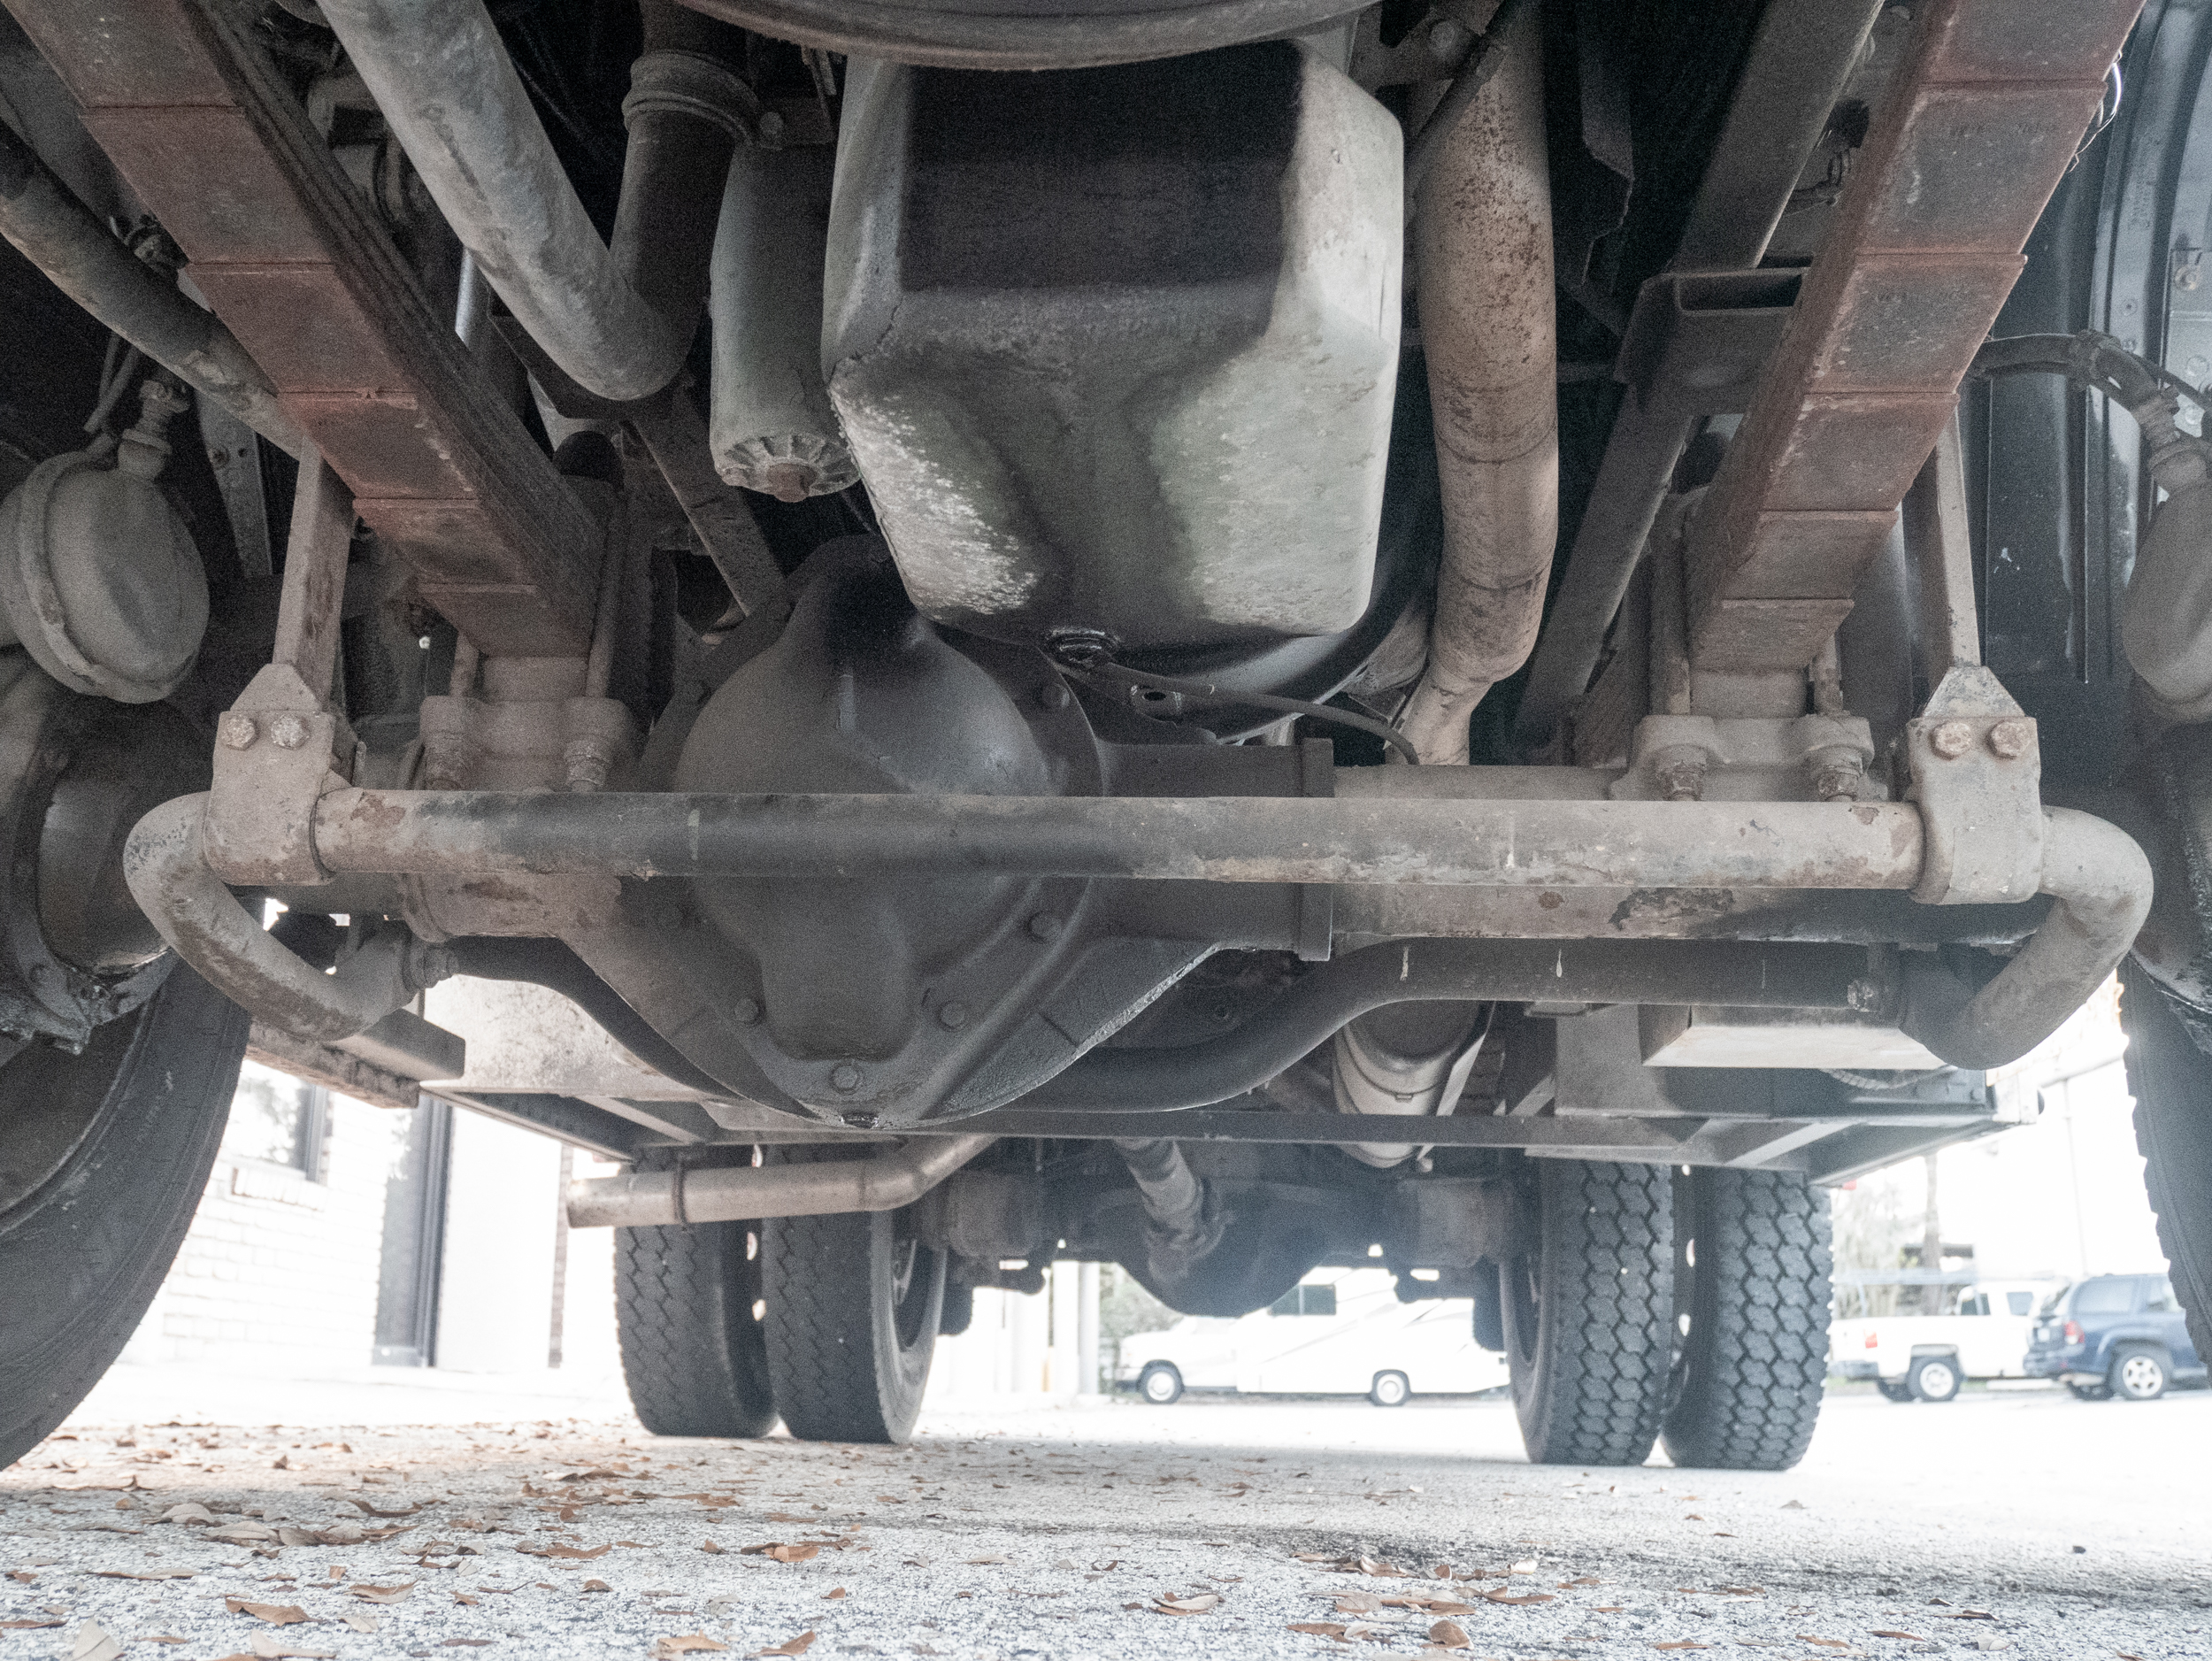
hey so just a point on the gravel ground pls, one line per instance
(2017, 1521)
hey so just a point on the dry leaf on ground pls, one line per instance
(790, 1646)
(835, 1592)
(597, 1586)
(160, 1637)
(780, 1552)
(711, 1550)
(683, 1644)
(383, 1594)
(1911, 1637)
(1320, 1628)
(1518, 1597)
(272, 1647)
(94, 1643)
(369, 1507)
(573, 1553)
(275, 1614)
(1825, 1643)
(187, 1511)
(27, 1625)
(143, 1574)
(1448, 1634)
(1193, 1604)
(1683, 1643)
(360, 1623)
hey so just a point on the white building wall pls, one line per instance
(495, 1298)
(277, 1272)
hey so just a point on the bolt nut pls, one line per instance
(1680, 772)
(240, 731)
(844, 1077)
(745, 1011)
(1449, 40)
(1951, 740)
(952, 1016)
(2009, 739)
(1044, 926)
(289, 731)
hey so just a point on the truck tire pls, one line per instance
(1895, 1390)
(1390, 1389)
(2171, 1081)
(2139, 1372)
(959, 1312)
(853, 1304)
(692, 1350)
(1748, 1378)
(1934, 1378)
(104, 1158)
(1160, 1385)
(1586, 1313)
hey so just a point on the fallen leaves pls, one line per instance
(143, 1574)
(789, 1646)
(369, 1507)
(779, 1552)
(94, 1643)
(1909, 1637)
(269, 1647)
(684, 1644)
(1683, 1643)
(1825, 1643)
(275, 1614)
(1189, 1604)
(1448, 1634)
(577, 1553)
(382, 1593)
(189, 1512)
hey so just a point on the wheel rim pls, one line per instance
(2139, 1375)
(1390, 1389)
(1937, 1379)
(911, 1283)
(1159, 1386)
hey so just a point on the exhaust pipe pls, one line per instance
(442, 78)
(733, 1194)
(1483, 259)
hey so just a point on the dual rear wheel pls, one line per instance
(1651, 1303)
(828, 1323)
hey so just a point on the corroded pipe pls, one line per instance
(1482, 254)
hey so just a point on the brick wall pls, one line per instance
(279, 1272)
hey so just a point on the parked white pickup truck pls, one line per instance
(1927, 1357)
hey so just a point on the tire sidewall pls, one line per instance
(903, 1368)
(1160, 1370)
(1390, 1389)
(81, 1259)
(1947, 1369)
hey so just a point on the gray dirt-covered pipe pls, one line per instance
(733, 1194)
(1483, 260)
(60, 235)
(443, 79)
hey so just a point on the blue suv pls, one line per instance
(2115, 1335)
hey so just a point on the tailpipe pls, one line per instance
(732, 1194)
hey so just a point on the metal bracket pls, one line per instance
(278, 749)
(1698, 340)
(1977, 775)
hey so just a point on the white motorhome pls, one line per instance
(1340, 1332)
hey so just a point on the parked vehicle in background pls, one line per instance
(2120, 1335)
(1919, 1358)
(1345, 1332)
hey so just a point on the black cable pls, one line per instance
(1077, 658)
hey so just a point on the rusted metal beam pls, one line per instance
(1978, 127)
(295, 263)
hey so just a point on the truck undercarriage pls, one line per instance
(939, 630)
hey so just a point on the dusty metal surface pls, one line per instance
(1800, 61)
(1274, 840)
(294, 260)
(332, 1069)
(1973, 135)
(726, 1194)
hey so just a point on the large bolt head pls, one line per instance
(289, 731)
(2009, 739)
(844, 1077)
(1951, 740)
(239, 731)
